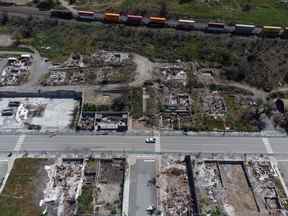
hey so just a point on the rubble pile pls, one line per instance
(103, 121)
(224, 187)
(175, 72)
(175, 195)
(79, 77)
(99, 68)
(109, 58)
(56, 77)
(268, 188)
(63, 75)
(16, 70)
(208, 178)
(208, 181)
(62, 190)
(178, 103)
(87, 121)
(111, 121)
(214, 104)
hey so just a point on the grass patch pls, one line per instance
(85, 201)
(234, 117)
(90, 107)
(268, 12)
(279, 188)
(135, 102)
(17, 197)
(203, 122)
(57, 42)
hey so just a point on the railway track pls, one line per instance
(155, 22)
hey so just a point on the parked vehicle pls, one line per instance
(150, 140)
(7, 112)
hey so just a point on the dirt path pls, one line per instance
(258, 93)
(38, 69)
(143, 71)
(282, 89)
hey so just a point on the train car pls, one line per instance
(112, 17)
(157, 21)
(86, 16)
(271, 31)
(63, 14)
(214, 27)
(185, 24)
(134, 20)
(241, 29)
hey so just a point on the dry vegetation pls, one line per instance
(256, 61)
(22, 192)
(247, 11)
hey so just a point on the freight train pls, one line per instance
(181, 24)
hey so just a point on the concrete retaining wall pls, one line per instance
(45, 94)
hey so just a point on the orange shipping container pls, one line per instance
(112, 17)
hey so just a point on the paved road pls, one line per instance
(212, 144)
(142, 194)
(8, 143)
(95, 143)
(136, 144)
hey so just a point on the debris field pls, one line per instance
(238, 188)
(101, 67)
(103, 182)
(174, 191)
(103, 121)
(16, 70)
(36, 113)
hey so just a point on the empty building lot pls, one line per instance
(63, 187)
(36, 113)
(101, 67)
(103, 121)
(102, 188)
(238, 188)
(238, 195)
(175, 193)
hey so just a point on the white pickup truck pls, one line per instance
(150, 140)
